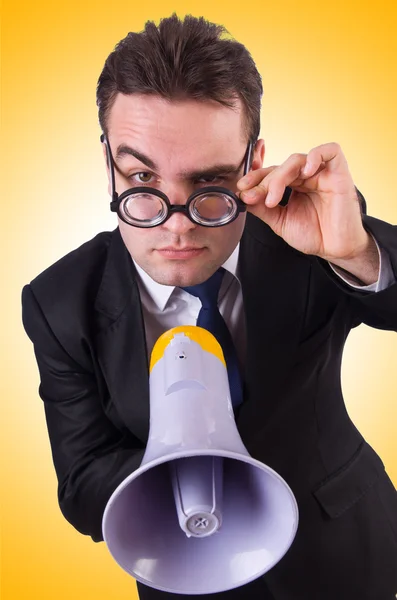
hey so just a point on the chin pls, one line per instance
(182, 274)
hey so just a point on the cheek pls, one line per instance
(236, 229)
(136, 240)
(226, 238)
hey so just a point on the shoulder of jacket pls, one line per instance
(87, 258)
(75, 277)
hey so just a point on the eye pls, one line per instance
(142, 177)
(211, 179)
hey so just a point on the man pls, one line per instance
(179, 108)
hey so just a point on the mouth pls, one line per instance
(180, 253)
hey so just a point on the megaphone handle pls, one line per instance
(197, 484)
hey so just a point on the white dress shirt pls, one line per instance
(167, 306)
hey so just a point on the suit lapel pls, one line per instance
(121, 343)
(274, 280)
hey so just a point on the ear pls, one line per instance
(259, 155)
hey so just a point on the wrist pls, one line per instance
(364, 263)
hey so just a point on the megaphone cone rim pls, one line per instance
(202, 452)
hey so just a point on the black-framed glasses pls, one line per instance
(210, 206)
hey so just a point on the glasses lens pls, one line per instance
(215, 208)
(143, 209)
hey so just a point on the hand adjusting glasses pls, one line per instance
(210, 206)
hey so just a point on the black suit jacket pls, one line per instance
(84, 317)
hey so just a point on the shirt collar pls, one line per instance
(160, 293)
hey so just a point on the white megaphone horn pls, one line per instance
(200, 515)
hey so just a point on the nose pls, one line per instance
(178, 222)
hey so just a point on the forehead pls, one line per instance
(177, 128)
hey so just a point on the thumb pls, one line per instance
(271, 216)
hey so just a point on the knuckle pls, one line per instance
(262, 186)
(297, 156)
(335, 145)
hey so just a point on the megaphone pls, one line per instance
(200, 515)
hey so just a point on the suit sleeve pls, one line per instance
(385, 276)
(376, 309)
(91, 456)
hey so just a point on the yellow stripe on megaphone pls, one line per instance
(203, 337)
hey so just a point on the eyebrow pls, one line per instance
(217, 169)
(124, 150)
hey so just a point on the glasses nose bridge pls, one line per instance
(178, 193)
(178, 219)
(178, 208)
(178, 199)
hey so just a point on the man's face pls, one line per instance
(182, 146)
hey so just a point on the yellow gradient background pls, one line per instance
(329, 73)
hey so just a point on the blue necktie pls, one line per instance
(211, 319)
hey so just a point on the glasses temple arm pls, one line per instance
(248, 157)
(109, 156)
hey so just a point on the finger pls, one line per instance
(271, 216)
(272, 187)
(329, 154)
(255, 185)
(293, 172)
(252, 178)
(290, 169)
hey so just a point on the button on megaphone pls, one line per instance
(200, 515)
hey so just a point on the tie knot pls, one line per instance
(208, 291)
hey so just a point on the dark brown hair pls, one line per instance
(182, 59)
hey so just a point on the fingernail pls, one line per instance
(307, 168)
(269, 199)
